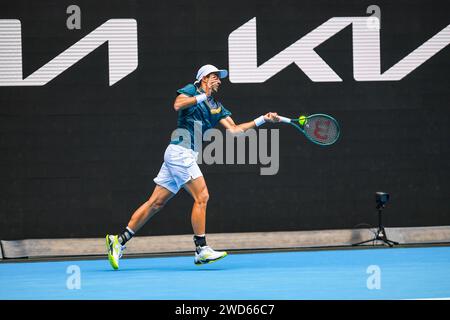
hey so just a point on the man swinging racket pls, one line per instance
(195, 104)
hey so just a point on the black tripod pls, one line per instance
(381, 233)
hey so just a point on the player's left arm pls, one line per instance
(234, 128)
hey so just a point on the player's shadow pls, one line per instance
(166, 268)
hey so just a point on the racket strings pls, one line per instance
(321, 129)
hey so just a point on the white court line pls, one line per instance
(444, 298)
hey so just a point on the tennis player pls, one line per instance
(195, 103)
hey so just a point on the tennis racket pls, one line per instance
(320, 129)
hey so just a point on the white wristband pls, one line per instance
(259, 121)
(201, 97)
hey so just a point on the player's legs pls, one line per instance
(199, 191)
(155, 203)
(115, 243)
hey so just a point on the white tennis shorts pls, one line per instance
(179, 166)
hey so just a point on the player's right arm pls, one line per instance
(183, 101)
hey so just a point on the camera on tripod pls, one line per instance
(381, 198)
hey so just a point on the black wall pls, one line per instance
(77, 156)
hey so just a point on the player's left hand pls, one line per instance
(271, 117)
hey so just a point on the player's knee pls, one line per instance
(158, 204)
(202, 198)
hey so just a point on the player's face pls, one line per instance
(214, 77)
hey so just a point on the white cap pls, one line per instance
(209, 68)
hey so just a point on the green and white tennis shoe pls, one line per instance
(115, 250)
(206, 254)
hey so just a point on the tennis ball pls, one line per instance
(302, 120)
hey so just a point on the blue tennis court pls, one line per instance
(399, 273)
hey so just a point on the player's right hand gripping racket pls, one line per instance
(320, 129)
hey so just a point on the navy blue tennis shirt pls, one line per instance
(208, 112)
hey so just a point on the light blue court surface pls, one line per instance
(404, 273)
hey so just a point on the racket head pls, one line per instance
(320, 129)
